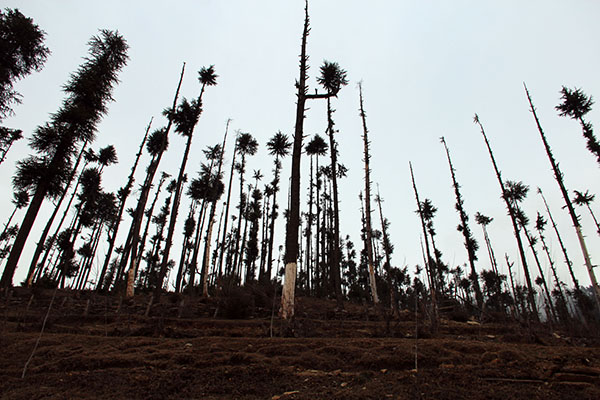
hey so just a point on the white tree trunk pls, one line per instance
(289, 288)
(373, 284)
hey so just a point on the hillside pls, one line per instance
(103, 347)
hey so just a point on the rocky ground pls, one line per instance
(103, 347)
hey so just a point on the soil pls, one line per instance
(105, 347)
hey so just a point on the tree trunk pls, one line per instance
(513, 219)
(291, 236)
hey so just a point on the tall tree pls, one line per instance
(122, 195)
(388, 249)
(292, 247)
(315, 148)
(516, 192)
(428, 260)
(157, 143)
(185, 118)
(470, 242)
(332, 79)
(513, 218)
(568, 262)
(369, 230)
(23, 51)
(540, 226)
(575, 104)
(88, 92)
(279, 146)
(558, 175)
(246, 145)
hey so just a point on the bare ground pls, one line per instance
(102, 347)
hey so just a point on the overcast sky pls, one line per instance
(426, 68)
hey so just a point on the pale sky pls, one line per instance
(426, 68)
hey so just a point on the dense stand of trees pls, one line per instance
(244, 249)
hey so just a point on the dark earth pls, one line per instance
(98, 346)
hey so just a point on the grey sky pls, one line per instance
(426, 67)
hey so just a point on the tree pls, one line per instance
(88, 92)
(560, 241)
(23, 51)
(576, 105)
(585, 199)
(428, 260)
(540, 226)
(185, 118)
(516, 192)
(513, 219)
(279, 146)
(388, 249)
(7, 138)
(246, 145)
(332, 79)
(369, 231)
(157, 145)
(122, 196)
(470, 242)
(558, 175)
(292, 248)
(315, 148)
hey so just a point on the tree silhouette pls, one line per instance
(156, 146)
(315, 148)
(185, 118)
(367, 178)
(575, 104)
(23, 51)
(88, 92)
(516, 192)
(279, 146)
(332, 79)
(513, 219)
(470, 242)
(292, 248)
(246, 145)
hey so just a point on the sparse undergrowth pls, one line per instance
(99, 346)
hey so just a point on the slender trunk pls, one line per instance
(335, 251)
(543, 278)
(141, 207)
(367, 199)
(228, 202)
(563, 310)
(388, 257)
(274, 214)
(309, 231)
(594, 218)
(114, 229)
(430, 271)
(174, 211)
(562, 245)
(575, 219)
(469, 240)
(513, 219)
(184, 250)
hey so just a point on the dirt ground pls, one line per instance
(104, 347)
